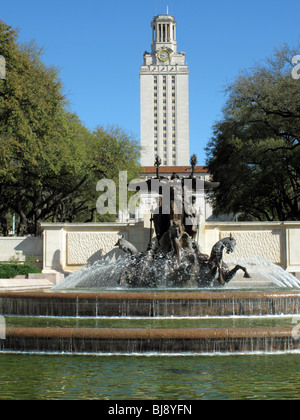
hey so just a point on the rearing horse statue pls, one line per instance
(206, 271)
(214, 272)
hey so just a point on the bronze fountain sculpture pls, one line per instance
(174, 254)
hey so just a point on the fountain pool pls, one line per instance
(151, 344)
(255, 377)
(156, 320)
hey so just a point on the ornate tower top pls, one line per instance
(164, 33)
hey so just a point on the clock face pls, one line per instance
(163, 55)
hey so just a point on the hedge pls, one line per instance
(8, 271)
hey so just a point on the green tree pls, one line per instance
(254, 152)
(107, 151)
(31, 109)
(49, 161)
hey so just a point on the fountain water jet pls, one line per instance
(260, 267)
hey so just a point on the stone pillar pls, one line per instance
(54, 249)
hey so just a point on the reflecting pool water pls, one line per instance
(179, 378)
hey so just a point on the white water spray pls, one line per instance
(105, 273)
(262, 268)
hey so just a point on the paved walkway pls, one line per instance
(24, 284)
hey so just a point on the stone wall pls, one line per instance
(21, 248)
(277, 242)
(67, 247)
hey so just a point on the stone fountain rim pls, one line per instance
(153, 296)
(147, 333)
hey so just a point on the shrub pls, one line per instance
(8, 271)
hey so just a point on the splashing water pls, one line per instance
(103, 273)
(260, 267)
(106, 273)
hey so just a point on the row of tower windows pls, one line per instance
(164, 80)
(164, 88)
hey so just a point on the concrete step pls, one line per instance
(24, 284)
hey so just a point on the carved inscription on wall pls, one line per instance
(251, 244)
(88, 247)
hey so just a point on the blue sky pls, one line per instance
(99, 45)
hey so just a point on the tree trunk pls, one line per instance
(4, 226)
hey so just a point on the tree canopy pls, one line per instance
(49, 161)
(255, 149)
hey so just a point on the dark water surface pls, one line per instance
(37, 377)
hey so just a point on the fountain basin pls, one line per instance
(151, 304)
(120, 332)
(143, 341)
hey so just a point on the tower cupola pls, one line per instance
(164, 33)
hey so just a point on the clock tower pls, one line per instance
(164, 79)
